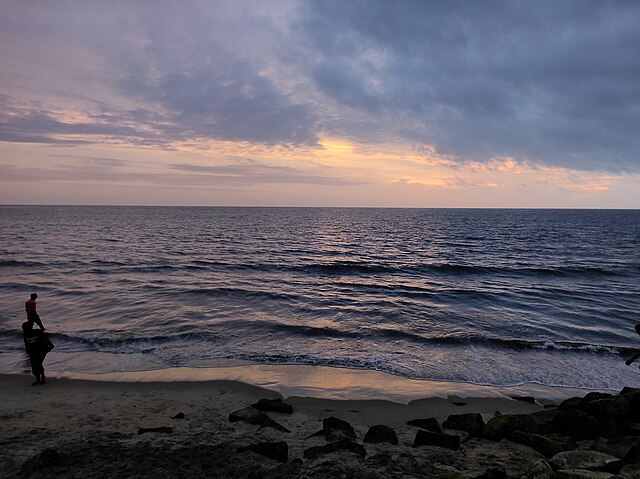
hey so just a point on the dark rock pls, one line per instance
(493, 473)
(627, 390)
(548, 446)
(575, 423)
(631, 471)
(381, 433)
(593, 396)
(278, 451)
(541, 470)
(470, 422)
(273, 405)
(252, 416)
(528, 399)
(458, 403)
(505, 424)
(430, 424)
(342, 445)
(571, 403)
(180, 415)
(161, 429)
(589, 460)
(633, 455)
(42, 460)
(426, 438)
(332, 426)
(618, 447)
(583, 474)
(611, 406)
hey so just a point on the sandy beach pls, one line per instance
(96, 429)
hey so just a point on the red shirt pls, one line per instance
(30, 306)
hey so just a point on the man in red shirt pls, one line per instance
(32, 315)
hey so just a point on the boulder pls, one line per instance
(470, 422)
(503, 425)
(589, 460)
(427, 438)
(541, 470)
(342, 445)
(548, 446)
(381, 433)
(627, 390)
(575, 423)
(633, 455)
(273, 405)
(618, 447)
(43, 460)
(611, 406)
(593, 396)
(278, 451)
(161, 429)
(252, 416)
(332, 426)
(632, 471)
(571, 403)
(492, 473)
(430, 424)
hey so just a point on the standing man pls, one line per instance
(38, 346)
(32, 315)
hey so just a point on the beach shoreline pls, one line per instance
(93, 426)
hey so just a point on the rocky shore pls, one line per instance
(225, 430)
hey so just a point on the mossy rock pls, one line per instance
(503, 425)
(575, 423)
(548, 446)
(593, 396)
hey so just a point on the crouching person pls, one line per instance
(38, 345)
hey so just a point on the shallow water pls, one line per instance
(497, 297)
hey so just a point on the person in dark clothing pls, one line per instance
(637, 355)
(32, 315)
(38, 345)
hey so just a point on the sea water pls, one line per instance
(483, 296)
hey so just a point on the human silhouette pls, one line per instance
(637, 355)
(32, 315)
(37, 345)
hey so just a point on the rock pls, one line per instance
(161, 429)
(527, 399)
(273, 405)
(342, 445)
(252, 416)
(548, 446)
(180, 415)
(459, 403)
(505, 424)
(332, 426)
(633, 456)
(583, 474)
(612, 406)
(575, 423)
(590, 397)
(571, 403)
(541, 470)
(589, 460)
(632, 471)
(430, 424)
(493, 473)
(47, 458)
(471, 423)
(627, 390)
(618, 447)
(427, 438)
(381, 433)
(278, 451)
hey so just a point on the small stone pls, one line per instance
(541, 470)
(180, 415)
(527, 399)
(278, 451)
(430, 424)
(426, 438)
(381, 433)
(161, 429)
(334, 426)
(252, 416)
(273, 405)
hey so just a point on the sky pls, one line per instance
(321, 103)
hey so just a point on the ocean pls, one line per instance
(483, 296)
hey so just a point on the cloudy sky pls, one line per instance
(321, 103)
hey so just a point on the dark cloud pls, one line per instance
(553, 82)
